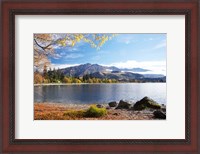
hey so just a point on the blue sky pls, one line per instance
(124, 51)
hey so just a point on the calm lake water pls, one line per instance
(99, 93)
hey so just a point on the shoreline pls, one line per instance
(62, 84)
(56, 111)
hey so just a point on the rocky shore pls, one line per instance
(144, 109)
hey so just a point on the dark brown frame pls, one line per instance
(189, 8)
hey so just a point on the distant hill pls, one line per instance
(105, 72)
(118, 76)
(153, 75)
(81, 70)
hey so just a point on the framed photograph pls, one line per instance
(100, 76)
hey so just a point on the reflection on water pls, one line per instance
(99, 93)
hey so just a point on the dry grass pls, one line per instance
(56, 111)
(51, 111)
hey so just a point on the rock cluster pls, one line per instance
(123, 105)
(112, 104)
(159, 114)
(145, 104)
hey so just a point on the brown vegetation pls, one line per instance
(56, 111)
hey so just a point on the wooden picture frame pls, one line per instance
(11, 8)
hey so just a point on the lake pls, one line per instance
(99, 93)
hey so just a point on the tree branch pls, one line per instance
(43, 48)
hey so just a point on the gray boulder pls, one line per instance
(146, 103)
(159, 114)
(163, 109)
(108, 107)
(112, 104)
(123, 105)
(116, 114)
(99, 106)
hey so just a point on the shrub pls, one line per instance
(67, 80)
(94, 111)
(38, 79)
(45, 81)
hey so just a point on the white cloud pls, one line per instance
(68, 46)
(57, 56)
(161, 45)
(73, 56)
(60, 66)
(65, 48)
(156, 67)
(127, 39)
(56, 46)
(71, 49)
(67, 55)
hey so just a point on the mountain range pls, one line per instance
(102, 72)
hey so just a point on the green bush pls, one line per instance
(94, 111)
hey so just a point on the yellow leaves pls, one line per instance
(62, 42)
(46, 43)
(97, 38)
(103, 40)
(86, 40)
(92, 44)
(73, 43)
(78, 37)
